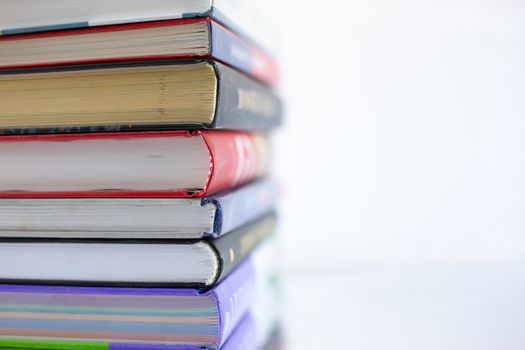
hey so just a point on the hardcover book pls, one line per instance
(195, 263)
(130, 164)
(136, 218)
(182, 38)
(144, 95)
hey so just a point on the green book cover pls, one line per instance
(17, 344)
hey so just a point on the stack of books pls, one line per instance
(135, 207)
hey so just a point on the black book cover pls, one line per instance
(235, 246)
(243, 103)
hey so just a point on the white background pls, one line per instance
(405, 131)
(403, 169)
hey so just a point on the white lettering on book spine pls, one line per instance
(255, 102)
(233, 315)
(247, 164)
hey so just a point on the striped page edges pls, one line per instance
(113, 315)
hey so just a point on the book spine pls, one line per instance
(234, 296)
(236, 158)
(241, 206)
(234, 247)
(230, 48)
(244, 337)
(244, 103)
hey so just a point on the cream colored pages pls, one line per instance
(166, 94)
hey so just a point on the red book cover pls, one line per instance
(232, 159)
(224, 46)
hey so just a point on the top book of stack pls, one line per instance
(119, 65)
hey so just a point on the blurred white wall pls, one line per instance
(405, 134)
